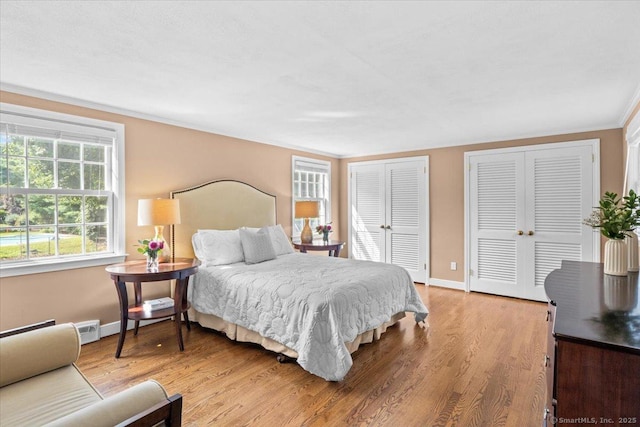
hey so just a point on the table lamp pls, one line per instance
(159, 212)
(306, 210)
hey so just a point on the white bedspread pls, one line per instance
(312, 304)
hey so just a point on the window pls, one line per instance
(632, 179)
(61, 191)
(632, 171)
(311, 180)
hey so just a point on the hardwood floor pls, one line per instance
(479, 364)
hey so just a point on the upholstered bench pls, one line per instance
(41, 385)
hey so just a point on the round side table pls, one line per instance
(136, 272)
(333, 246)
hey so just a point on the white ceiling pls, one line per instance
(343, 78)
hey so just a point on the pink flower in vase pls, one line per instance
(324, 230)
(150, 247)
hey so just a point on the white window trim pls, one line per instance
(321, 163)
(632, 168)
(118, 255)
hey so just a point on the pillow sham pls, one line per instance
(256, 245)
(218, 247)
(280, 241)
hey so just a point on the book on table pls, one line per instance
(157, 304)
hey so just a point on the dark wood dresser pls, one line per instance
(593, 347)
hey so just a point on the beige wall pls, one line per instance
(446, 190)
(159, 158)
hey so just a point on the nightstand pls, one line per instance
(136, 272)
(333, 246)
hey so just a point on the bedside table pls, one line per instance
(333, 246)
(136, 272)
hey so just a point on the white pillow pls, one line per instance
(218, 247)
(257, 246)
(197, 247)
(280, 241)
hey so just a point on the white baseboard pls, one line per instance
(451, 284)
(114, 327)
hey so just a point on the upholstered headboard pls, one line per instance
(219, 205)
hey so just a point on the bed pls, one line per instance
(316, 310)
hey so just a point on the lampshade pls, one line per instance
(306, 209)
(158, 211)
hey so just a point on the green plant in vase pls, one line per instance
(616, 218)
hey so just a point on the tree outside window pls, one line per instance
(56, 190)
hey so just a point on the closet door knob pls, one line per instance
(381, 226)
(530, 233)
(388, 227)
(520, 232)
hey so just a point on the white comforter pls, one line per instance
(312, 304)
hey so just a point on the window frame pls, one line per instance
(632, 167)
(324, 165)
(632, 170)
(116, 215)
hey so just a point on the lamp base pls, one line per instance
(306, 236)
(164, 255)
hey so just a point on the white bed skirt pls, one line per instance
(239, 333)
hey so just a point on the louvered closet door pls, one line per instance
(388, 213)
(367, 212)
(559, 195)
(497, 203)
(526, 211)
(405, 212)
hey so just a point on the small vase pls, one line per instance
(615, 257)
(325, 236)
(632, 251)
(152, 264)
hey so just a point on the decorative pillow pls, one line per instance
(280, 241)
(218, 247)
(257, 246)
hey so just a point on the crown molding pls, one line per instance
(20, 90)
(635, 100)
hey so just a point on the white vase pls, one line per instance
(615, 257)
(632, 252)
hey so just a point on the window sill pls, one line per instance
(46, 266)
